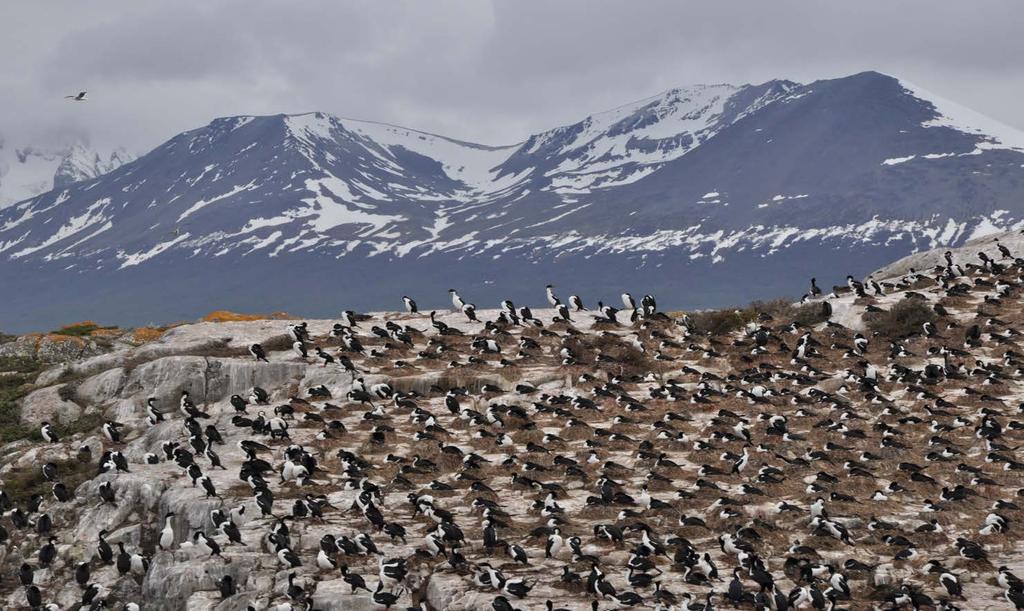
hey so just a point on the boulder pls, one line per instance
(237, 333)
(207, 379)
(226, 377)
(152, 440)
(238, 602)
(42, 454)
(84, 367)
(46, 405)
(449, 591)
(173, 580)
(336, 595)
(51, 347)
(166, 377)
(136, 495)
(102, 387)
(191, 510)
(126, 411)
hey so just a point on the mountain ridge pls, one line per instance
(28, 171)
(738, 190)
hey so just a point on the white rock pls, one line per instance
(46, 405)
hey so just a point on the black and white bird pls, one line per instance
(153, 412)
(322, 354)
(549, 292)
(48, 433)
(112, 431)
(457, 301)
(167, 537)
(78, 97)
(257, 351)
(608, 312)
(410, 304)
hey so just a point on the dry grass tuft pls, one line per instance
(718, 322)
(780, 311)
(903, 320)
(144, 335)
(228, 316)
(85, 328)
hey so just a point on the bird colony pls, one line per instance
(562, 458)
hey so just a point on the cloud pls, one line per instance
(490, 72)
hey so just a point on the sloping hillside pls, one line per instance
(870, 458)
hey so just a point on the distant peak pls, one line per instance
(955, 116)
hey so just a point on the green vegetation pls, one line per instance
(16, 377)
(68, 392)
(905, 319)
(24, 482)
(721, 322)
(84, 424)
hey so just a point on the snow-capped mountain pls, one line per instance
(703, 195)
(31, 170)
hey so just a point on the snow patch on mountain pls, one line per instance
(28, 171)
(766, 239)
(996, 135)
(129, 260)
(327, 208)
(199, 205)
(92, 216)
(471, 164)
(898, 160)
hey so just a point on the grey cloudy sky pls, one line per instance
(483, 71)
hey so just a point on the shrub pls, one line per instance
(82, 329)
(720, 322)
(22, 483)
(13, 430)
(68, 392)
(144, 335)
(277, 342)
(809, 314)
(903, 320)
(86, 423)
(228, 316)
(716, 322)
(15, 382)
(21, 364)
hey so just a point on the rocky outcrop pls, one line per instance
(691, 423)
(101, 388)
(138, 497)
(173, 578)
(207, 379)
(47, 405)
(447, 591)
(52, 348)
(336, 595)
(963, 255)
